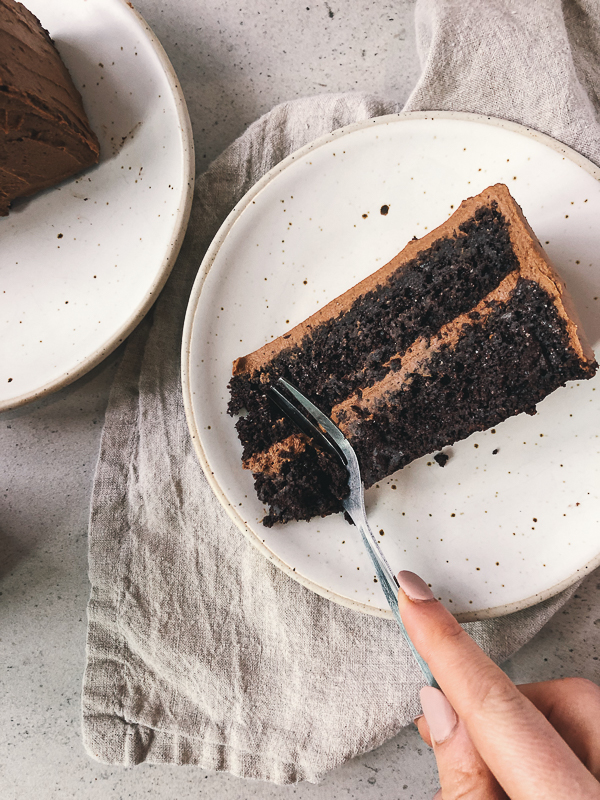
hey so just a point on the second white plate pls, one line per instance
(81, 263)
(513, 517)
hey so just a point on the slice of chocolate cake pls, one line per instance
(45, 135)
(465, 327)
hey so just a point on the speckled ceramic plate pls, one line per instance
(513, 517)
(81, 264)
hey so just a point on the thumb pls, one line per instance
(463, 773)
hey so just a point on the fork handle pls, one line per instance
(390, 587)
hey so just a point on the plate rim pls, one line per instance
(179, 228)
(194, 299)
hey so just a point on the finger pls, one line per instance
(523, 751)
(572, 707)
(423, 729)
(463, 773)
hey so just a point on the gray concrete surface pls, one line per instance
(235, 61)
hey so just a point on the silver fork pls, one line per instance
(321, 428)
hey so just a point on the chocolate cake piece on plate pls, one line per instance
(464, 328)
(45, 135)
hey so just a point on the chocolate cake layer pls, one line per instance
(300, 482)
(464, 328)
(45, 135)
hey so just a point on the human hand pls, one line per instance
(492, 739)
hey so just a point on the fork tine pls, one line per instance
(324, 421)
(305, 423)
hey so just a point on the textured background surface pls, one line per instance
(234, 65)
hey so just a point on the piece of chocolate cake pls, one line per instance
(465, 327)
(45, 135)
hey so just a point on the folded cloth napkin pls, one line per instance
(199, 650)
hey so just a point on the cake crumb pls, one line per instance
(441, 459)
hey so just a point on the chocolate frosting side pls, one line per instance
(536, 266)
(533, 259)
(45, 135)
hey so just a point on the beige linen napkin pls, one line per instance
(199, 650)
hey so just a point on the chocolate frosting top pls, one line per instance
(533, 263)
(530, 254)
(45, 135)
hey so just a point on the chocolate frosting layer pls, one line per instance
(45, 135)
(271, 461)
(418, 357)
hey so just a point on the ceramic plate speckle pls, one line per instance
(83, 262)
(513, 516)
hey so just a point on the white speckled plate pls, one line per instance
(81, 263)
(513, 517)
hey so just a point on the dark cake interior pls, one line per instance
(464, 328)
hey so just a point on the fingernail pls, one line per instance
(414, 587)
(417, 718)
(440, 715)
(438, 795)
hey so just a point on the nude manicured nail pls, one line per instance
(414, 587)
(438, 795)
(440, 715)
